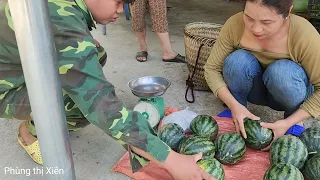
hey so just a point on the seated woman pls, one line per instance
(267, 56)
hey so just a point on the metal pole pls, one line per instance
(39, 62)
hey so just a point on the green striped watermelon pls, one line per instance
(288, 149)
(311, 138)
(204, 125)
(230, 148)
(171, 134)
(258, 137)
(182, 142)
(312, 168)
(213, 167)
(284, 172)
(195, 144)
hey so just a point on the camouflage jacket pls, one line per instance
(81, 77)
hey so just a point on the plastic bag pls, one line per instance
(182, 118)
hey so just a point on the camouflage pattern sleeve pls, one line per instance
(83, 80)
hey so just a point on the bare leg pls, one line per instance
(142, 40)
(158, 12)
(143, 44)
(168, 52)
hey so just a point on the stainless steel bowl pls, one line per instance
(149, 86)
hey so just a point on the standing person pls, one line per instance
(158, 13)
(267, 56)
(88, 96)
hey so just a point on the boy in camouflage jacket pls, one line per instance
(88, 96)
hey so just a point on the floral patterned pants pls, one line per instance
(158, 13)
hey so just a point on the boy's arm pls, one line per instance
(83, 80)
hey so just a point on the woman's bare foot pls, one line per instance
(143, 53)
(169, 55)
(27, 138)
(173, 57)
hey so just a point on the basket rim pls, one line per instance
(204, 40)
(216, 25)
(186, 29)
(202, 23)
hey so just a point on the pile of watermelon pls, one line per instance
(296, 157)
(290, 157)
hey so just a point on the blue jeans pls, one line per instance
(282, 86)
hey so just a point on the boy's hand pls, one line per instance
(181, 167)
(185, 167)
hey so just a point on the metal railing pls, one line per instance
(39, 62)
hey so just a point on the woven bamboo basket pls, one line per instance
(199, 38)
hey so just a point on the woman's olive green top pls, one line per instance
(303, 48)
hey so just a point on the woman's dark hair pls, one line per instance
(281, 6)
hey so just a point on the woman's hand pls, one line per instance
(185, 167)
(239, 113)
(279, 128)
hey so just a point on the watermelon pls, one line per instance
(182, 142)
(213, 167)
(312, 168)
(230, 148)
(288, 149)
(204, 125)
(171, 134)
(311, 138)
(195, 144)
(258, 137)
(283, 171)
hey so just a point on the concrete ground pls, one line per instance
(94, 153)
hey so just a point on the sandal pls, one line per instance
(33, 150)
(142, 54)
(177, 59)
